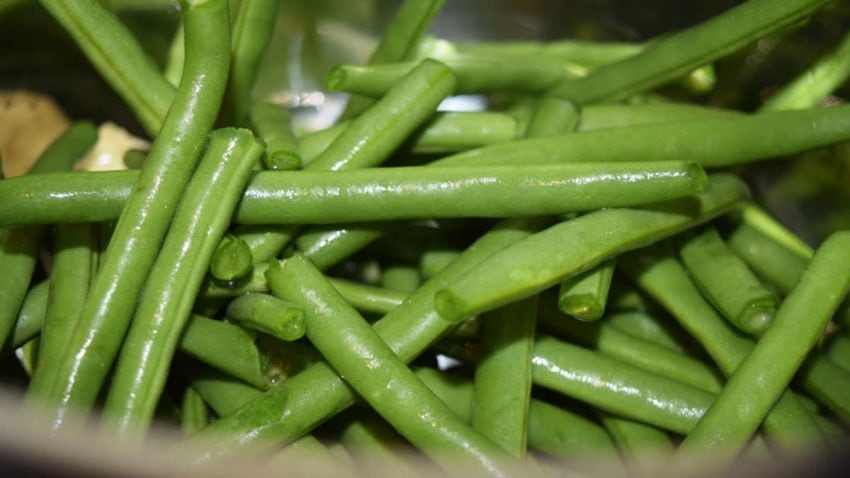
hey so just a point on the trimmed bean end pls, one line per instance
(582, 307)
(282, 160)
(232, 260)
(757, 316)
(449, 306)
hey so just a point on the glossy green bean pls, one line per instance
(618, 387)
(31, 316)
(675, 55)
(734, 141)
(541, 261)
(118, 57)
(770, 260)
(231, 260)
(268, 314)
(194, 414)
(252, 31)
(663, 277)
(503, 375)
(611, 341)
(377, 374)
(583, 296)
(400, 40)
(200, 221)
(272, 124)
(130, 255)
(551, 117)
(474, 75)
(614, 115)
(70, 280)
(740, 407)
(727, 282)
(301, 402)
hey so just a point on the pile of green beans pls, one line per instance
(570, 283)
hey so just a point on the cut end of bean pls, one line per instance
(756, 318)
(232, 260)
(698, 176)
(282, 161)
(291, 325)
(582, 307)
(335, 78)
(449, 306)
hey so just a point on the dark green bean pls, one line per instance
(268, 314)
(193, 412)
(503, 375)
(770, 260)
(583, 296)
(69, 148)
(541, 261)
(618, 387)
(664, 278)
(231, 260)
(31, 316)
(171, 162)
(200, 221)
(18, 249)
(301, 402)
(399, 41)
(70, 280)
(727, 282)
(374, 371)
(252, 31)
(266, 242)
(734, 140)
(474, 75)
(272, 124)
(740, 407)
(134, 158)
(675, 55)
(118, 57)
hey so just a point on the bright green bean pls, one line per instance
(734, 140)
(644, 447)
(252, 31)
(605, 116)
(618, 387)
(272, 124)
(231, 260)
(200, 221)
(268, 314)
(171, 162)
(740, 407)
(647, 327)
(727, 282)
(69, 148)
(402, 278)
(193, 412)
(583, 296)
(374, 371)
(585, 53)
(435, 260)
(770, 260)
(762, 221)
(31, 316)
(675, 55)
(553, 116)
(542, 260)
(503, 375)
(118, 57)
(664, 278)
(265, 242)
(474, 75)
(305, 400)
(70, 280)
(173, 69)
(375, 445)
(221, 392)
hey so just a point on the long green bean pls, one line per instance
(273, 125)
(31, 316)
(770, 260)
(644, 447)
(553, 116)
(252, 30)
(614, 115)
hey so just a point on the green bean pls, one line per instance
(252, 31)
(675, 55)
(228, 348)
(541, 261)
(435, 260)
(200, 221)
(762, 221)
(27, 355)
(583, 296)
(231, 260)
(644, 447)
(268, 314)
(221, 392)
(326, 246)
(451, 131)
(585, 53)
(18, 249)
(503, 375)
(130, 256)
(173, 69)
(838, 349)
(828, 383)
(553, 116)
(770, 260)
(265, 242)
(118, 57)
(618, 387)
(374, 371)
(740, 407)
(727, 282)
(606, 116)
(647, 327)
(134, 158)
(608, 339)
(374, 445)
(401, 278)
(69, 148)
(193, 412)
(816, 82)
(734, 141)
(31, 316)
(305, 400)
(272, 124)
(664, 278)
(399, 41)
(70, 281)
(474, 75)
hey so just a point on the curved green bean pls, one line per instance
(802, 317)
(541, 261)
(252, 31)
(675, 55)
(200, 221)
(268, 314)
(377, 374)
(130, 255)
